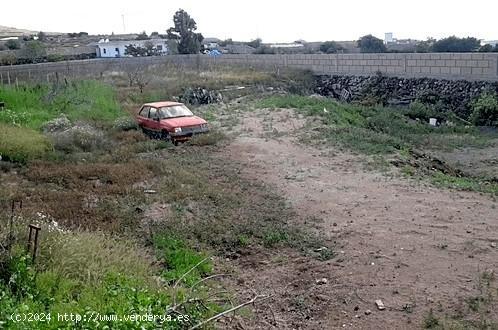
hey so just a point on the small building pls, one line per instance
(211, 43)
(238, 49)
(117, 48)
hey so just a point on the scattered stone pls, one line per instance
(368, 312)
(493, 244)
(321, 281)
(380, 305)
(200, 95)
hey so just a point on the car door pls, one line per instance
(153, 123)
(143, 117)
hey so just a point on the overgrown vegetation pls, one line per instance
(105, 251)
(485, 110)
(32, 106)
(379, 130)
(22, 144)
(376, 129)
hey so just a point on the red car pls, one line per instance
(170, 121)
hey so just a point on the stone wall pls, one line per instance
(454, 66)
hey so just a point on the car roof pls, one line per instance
(162, 104)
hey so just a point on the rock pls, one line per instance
(321, 281)
(451, 95)
(368, 312)
(380, 304)
(200, 95)
(493, 244)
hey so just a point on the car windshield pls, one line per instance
(174, 111)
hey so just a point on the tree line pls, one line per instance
(371, 44)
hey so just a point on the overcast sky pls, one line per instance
(273, 21)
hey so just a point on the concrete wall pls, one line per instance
(475, 66)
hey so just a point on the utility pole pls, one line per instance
(123, 19)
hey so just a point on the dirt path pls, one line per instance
(413, 246)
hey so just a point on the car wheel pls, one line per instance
(165, 136)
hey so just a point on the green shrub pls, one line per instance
(210, 138)
(33, 106)
(180, 259)
(58, 124)
(22, 144)
(13, 44)
(485, 110)
(418, 110)
(79, 138)
(125, 124)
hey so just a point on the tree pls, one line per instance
(12, 44)
(8, 59)
(142, 36)
(33, 51)
(148, 49)
(371, 44)
(42, 36)
(425, 46)
(486, 48)
(154, 34)
(226, 42)
(263, 49)
(330, 47)
(189, 42)
(456, 45)
(255, 43)
(172, 47)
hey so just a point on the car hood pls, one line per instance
(184, 121)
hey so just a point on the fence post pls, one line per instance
(8, 77)
(36, 229)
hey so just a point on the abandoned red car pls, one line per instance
(170, 121)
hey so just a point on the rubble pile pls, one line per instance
(199, 95)
(443, 95)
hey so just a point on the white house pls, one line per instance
(117, 48)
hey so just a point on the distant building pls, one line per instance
(117, 48)
(211, 43)
(286, 45)
(238, 49)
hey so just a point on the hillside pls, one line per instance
(6, 31)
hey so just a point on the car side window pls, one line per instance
(144, 112)
(153, 113)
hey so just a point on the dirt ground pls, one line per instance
(411, 245)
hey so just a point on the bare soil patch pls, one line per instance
(415, 247)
